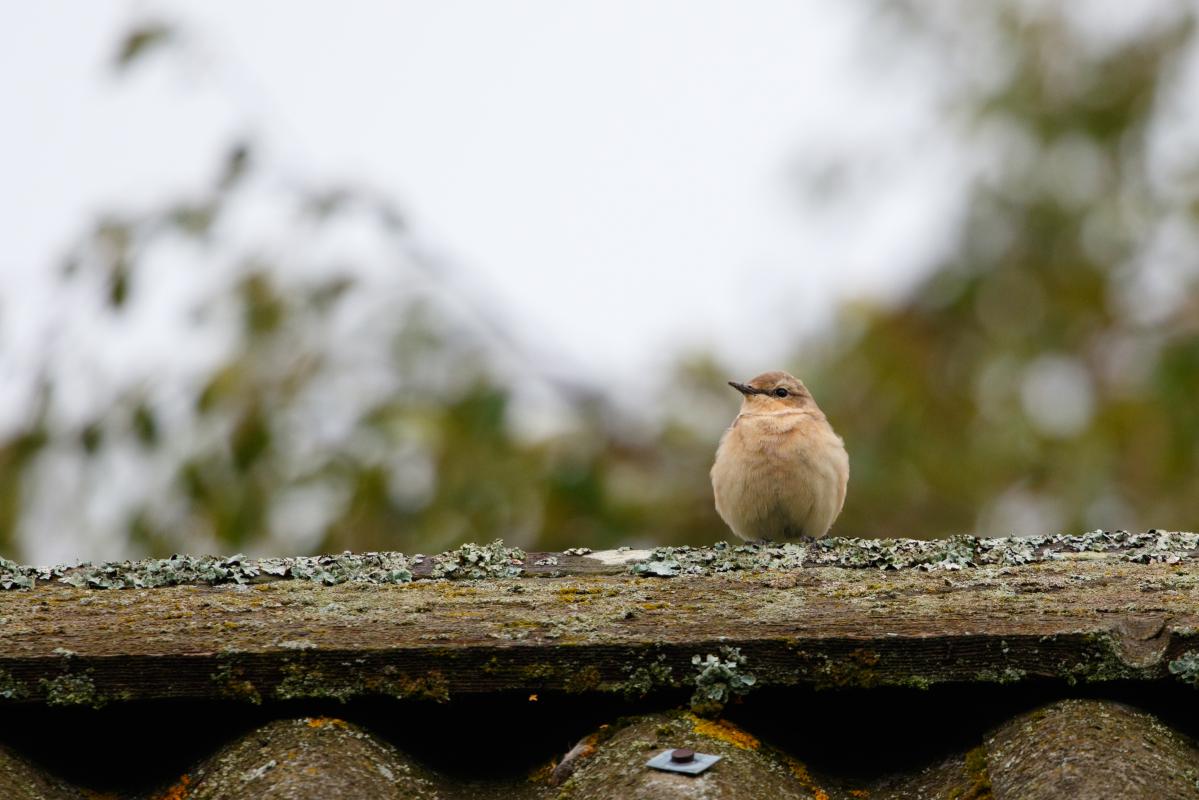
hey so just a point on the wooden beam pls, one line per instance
(1086, 616)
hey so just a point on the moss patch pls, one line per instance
(979, 787)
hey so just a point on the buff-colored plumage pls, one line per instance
(780, 470)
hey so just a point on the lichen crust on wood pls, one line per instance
(1074, 621)
(495, 560)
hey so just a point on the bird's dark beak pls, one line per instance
(743, 388)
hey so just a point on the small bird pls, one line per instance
(780, 470)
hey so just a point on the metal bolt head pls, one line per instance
(684, 760)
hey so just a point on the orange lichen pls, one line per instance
(859, 793)
(177, 792)
(325, 722)
(800, 771)
(542, 773)
(724, 731)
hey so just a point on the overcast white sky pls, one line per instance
(618, 176)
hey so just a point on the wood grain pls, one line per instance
(1087, 620)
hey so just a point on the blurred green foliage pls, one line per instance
(1038, 376)
(1035, 366)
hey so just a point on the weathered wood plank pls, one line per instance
(1091, 619)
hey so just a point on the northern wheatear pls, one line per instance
(780, 469)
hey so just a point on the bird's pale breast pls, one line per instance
(780, 475)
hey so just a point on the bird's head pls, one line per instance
(773, 393)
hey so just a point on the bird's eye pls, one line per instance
(780, 392)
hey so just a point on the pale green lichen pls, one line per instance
(954, 553)
(1101, 662)
(660, 565)
(1001, 676)
(73, 690)
(381, 568)
(646, 677)
(15, 576)
(1186, 667)
(311, 682)
(480, 561)
(719, 679)
(11, 688)
(473, 561)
